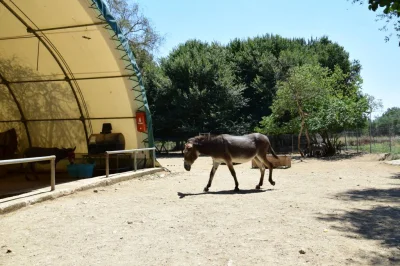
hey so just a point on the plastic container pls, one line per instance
(80, 170)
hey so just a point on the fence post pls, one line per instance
(117, 155)
(292, 145)
(107, 165)
(390, 140)
(357, 139)
(370, 128)
(53, 174)
(135, 161)
(154, 158)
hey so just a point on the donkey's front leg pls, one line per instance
(233, 173)
(212, 173)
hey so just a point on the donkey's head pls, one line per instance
(190, 154)
(68, 153)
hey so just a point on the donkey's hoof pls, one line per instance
(258, 187)
(272, 183)
(206, 189)
(236, 189)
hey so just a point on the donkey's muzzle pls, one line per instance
(187, 166)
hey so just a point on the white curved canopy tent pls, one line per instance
(65, 69)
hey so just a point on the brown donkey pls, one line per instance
(231, 149)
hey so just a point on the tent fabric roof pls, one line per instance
(65, 69)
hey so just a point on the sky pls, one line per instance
(350, 25)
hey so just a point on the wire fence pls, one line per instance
(370, 140)
(376, 140)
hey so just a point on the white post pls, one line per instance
(107, 165)
(51, 158)
(53, 174)
(135, 162)
(135, 151)
(154, 158)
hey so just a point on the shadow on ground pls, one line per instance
(396, 176)
(224, 192)
(336, 157)
(342, 156)
(380, 223)
(377, 195)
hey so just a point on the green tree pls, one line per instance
(259, 63)
(210, 87)
(195, 91)
(390, 13)
(137, 28)
(300, 93)
(311, 99)
(388, 122)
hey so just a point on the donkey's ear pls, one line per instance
(198, 143)
(74, 148)
(189, 145)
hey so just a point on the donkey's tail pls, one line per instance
(273, 152)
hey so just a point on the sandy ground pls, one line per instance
(337, 212)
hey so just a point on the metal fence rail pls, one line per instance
(134, 152)
(51, 158)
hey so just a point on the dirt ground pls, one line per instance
(336, 212)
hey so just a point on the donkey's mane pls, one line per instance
(205, 137)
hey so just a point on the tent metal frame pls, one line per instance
(67, 119)
(63, 66)
(66, 79)
(34, 32)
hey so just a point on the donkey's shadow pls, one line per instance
(224, 192)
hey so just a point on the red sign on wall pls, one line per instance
(141, 121)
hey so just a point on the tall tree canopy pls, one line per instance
(201, 87)
(317, 100)
(198, 93)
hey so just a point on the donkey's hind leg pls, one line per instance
(212, 173)
(262, 170)
(263, 158)
(233, 173)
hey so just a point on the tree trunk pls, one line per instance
(308, 139)
(299, 138)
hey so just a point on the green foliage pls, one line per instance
(320, 97)
(141, 34)
(388, 122)
(199, 92)
(390, 13)
(388, 5)
(201, 87)
(259, 63)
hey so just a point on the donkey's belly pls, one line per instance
(235, 160)
(242, 159)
